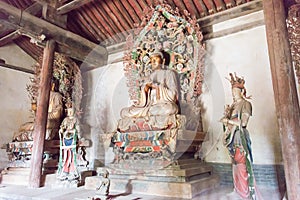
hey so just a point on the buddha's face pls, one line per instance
(156, 62)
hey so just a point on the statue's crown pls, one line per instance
(157, 52)
(236, 82)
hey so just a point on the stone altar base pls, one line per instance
(20, 176)
(184, 179)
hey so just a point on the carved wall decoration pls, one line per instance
(68, 75)
(293, 25)
(180, 40)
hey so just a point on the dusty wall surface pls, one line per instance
(14, 101)
(246, 54)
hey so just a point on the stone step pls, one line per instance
(188, 161)
(20, 176)
(15, 179)
(183, 176)
(16, 171)
(188, 171)
(167, 189)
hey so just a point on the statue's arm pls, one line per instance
(246, 112)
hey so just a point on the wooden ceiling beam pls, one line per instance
(9, 38)
(131, 12)
(72, 6)
(231, 13)
(239, 2)
(75, 46)
(191, 8)
(135, 5)
(201, 8)
(179, 4)
(105, 19)
(34, 9)
(98, 28)
(210, 6)
(112, 11)
(95, 15)
(124, 12)
(13, 67)
(230, 3)
(143, 5)
(220, 5)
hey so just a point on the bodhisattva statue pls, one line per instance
(158, 103)
(55, 113)
(69, 133)
(237, 140)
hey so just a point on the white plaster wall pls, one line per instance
(246, 54)
(14, 101)
(105, 94)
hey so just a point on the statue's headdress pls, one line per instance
(238, 82)
(156, 52)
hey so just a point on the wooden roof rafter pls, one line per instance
(105, 19)
(136, 8)
(69, 43)
(95, 15)
(131, 12)
(68, 7)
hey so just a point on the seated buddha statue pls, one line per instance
(157, 107)
(55, 114)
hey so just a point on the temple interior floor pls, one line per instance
(13, 192)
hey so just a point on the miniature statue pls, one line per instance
(103, 188)
(158, 102)
(237, 139)
(69, 133)
(55, 113)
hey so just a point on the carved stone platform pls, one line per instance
(20, 176)
(18, 169)
(182, 179)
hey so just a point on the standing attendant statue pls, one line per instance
(69, 133)
(237, 140)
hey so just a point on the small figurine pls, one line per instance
(103, 188)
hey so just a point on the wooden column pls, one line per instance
(285, 93)
(41, 116)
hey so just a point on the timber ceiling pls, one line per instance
(105, 22)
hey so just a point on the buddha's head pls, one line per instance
(156, 59)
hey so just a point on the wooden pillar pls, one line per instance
(41, 116)
(285, 93)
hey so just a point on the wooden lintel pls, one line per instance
(236, 29)
(8, 38)
(73, 45)
(17, 68)
(34, 9)
(71, 6)
(231, 13)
